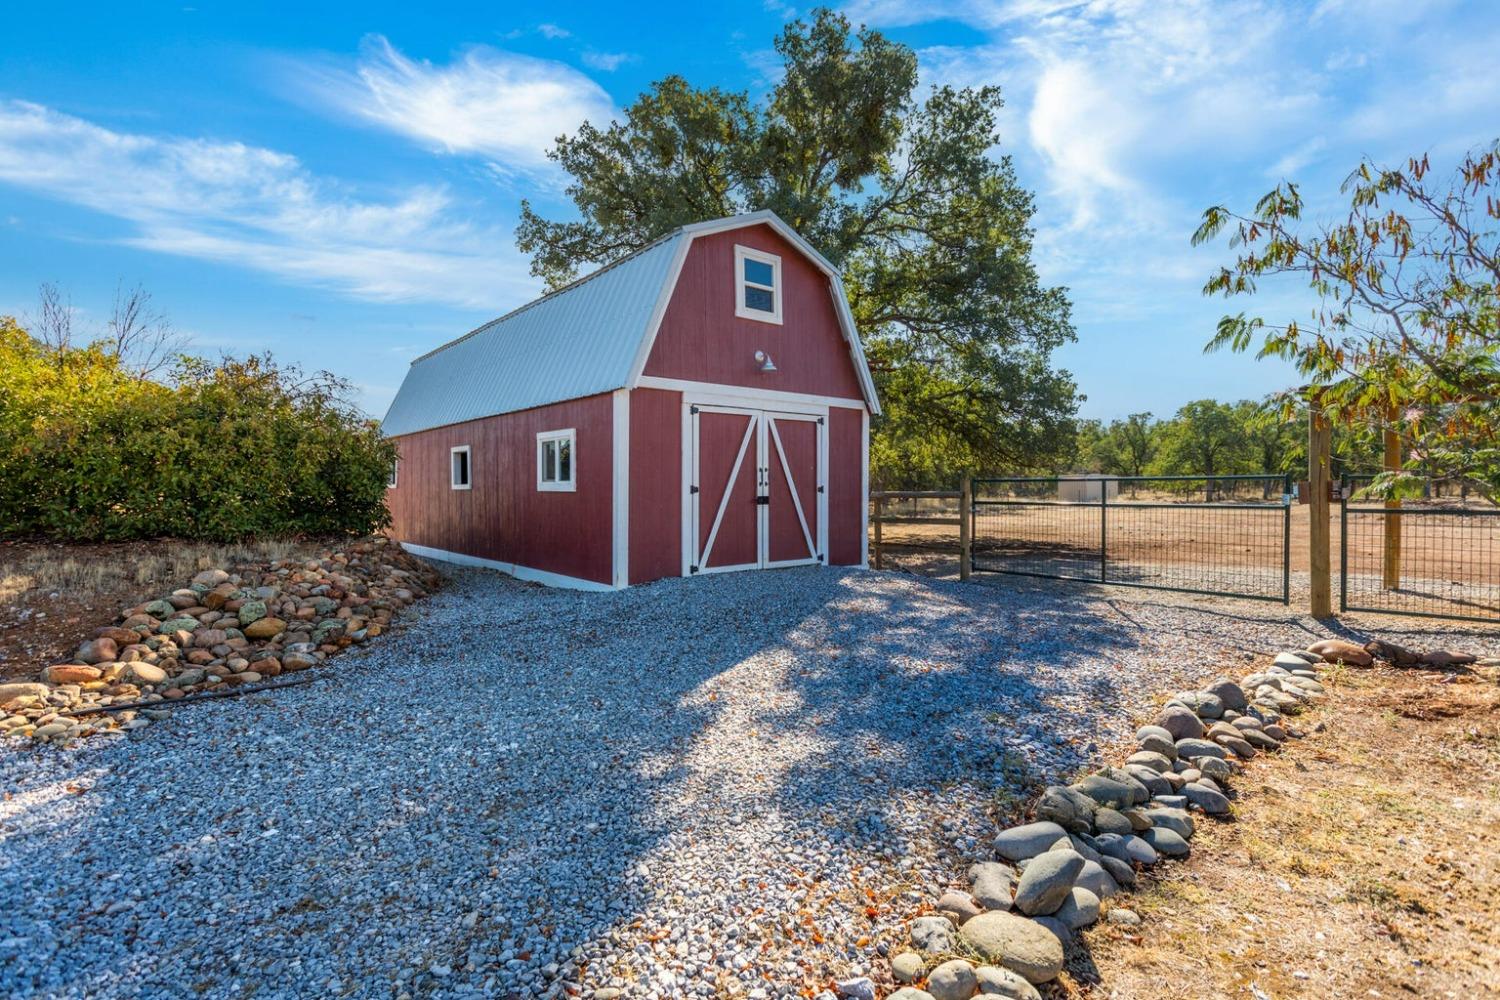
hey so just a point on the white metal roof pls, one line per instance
(588, 337)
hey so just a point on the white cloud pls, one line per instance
(608, 62)
(553, 31)
(260, 209)
(487, 102)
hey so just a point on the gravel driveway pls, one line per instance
(710, 787)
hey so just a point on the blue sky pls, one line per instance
(338, 184)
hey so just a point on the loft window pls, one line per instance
(757, 285)
(390, 479)
(459, 461)
(555, 452)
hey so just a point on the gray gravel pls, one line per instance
(665, 789)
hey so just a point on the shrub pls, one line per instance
(90, 450)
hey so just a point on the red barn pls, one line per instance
(702, 405)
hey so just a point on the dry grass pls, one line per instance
(79, 572)
(1361, 863)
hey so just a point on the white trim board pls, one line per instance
(718, 393)
(620, 489)
(519, 572)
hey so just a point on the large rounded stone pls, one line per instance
(1079, 910)
(1109, 821)
(1229, 694)
(1165, 841)
(1190, 748)
(1176, 820)
(1106, 791)
(1156, 782)
(934, 934)
(139, 672)
(1293, 661)
(1095, 879)
(1046, 882)
(100, 650)
(1067, 807)
(1209, 800)
(997, 982)
(1181, 722)
(1207, 705)
(1158, 740)
(908, 967)
(958, 907)
(910, 993)
(1339, 651)
(1027, 841)
(952, 981)
(1236, 745)
(70, 673)
(993, 884)
(22, 689)
(1015, 943)
(1120, 871)
(1158, 762)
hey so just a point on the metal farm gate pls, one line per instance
(1435, 557)
(1221, 535)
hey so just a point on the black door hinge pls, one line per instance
(692, 489)
(692, 409)
(820, 421)
(692, 569)
(820, 489)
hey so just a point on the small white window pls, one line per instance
(757, 285)
(555, 455)
(390, 480)
(459, 461)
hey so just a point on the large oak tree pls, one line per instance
(904, 192)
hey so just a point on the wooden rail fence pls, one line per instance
(887, 510)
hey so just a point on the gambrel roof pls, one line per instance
(588, 337)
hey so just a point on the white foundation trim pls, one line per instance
(519, 572)
(864, 489)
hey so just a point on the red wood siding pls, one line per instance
(702, 340)
(503, 516)
(846, 499)
(655, 484)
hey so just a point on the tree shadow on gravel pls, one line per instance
(521, 771)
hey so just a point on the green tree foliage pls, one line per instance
(903, 194)
(1408, 327)
(1205, 438)
(90, 449)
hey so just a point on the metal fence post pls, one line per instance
(1103, 530)
(1344, 550)
(1286, 546)
(965, 529)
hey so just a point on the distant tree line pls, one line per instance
(1212, 438)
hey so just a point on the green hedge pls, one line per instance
(89, 450)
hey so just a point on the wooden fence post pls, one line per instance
(1390, 565)
(965, 534)
(879, 563)
(1319, 442)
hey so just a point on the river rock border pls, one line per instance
(223, 629)
(1088, 841)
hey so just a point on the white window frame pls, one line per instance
(742, 254)
(395, 477)
(453, 467)
(569, 485)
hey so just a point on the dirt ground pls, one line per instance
(1360, 862)
(53, 596)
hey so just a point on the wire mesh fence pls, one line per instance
(1221, 535)
(1437, 557)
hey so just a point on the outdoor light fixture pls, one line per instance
(766, 364)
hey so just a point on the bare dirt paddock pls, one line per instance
(1450, 555)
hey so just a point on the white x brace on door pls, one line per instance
(758, 490)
